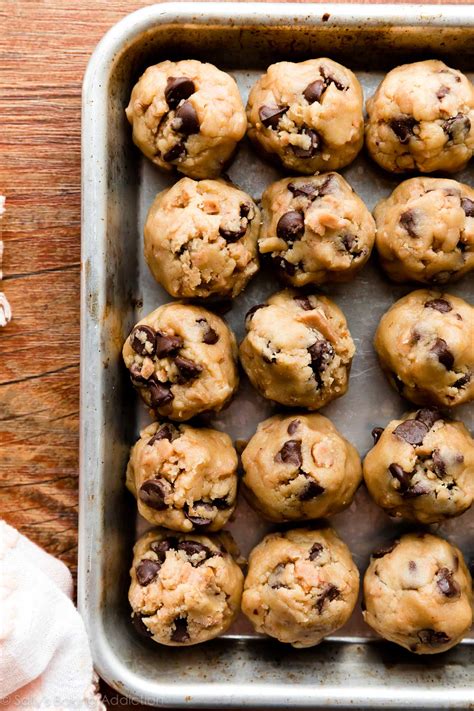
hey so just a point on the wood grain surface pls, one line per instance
(44, 48)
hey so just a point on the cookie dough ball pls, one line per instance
(201, 238)
(298, 350)
(185, 588)
(300, 467)
(301, 586)
(418, 594)
(183, 478)
(182, 361)
(424, 343)
(315, 229)
(308, 115)
(422, 118)
(425, 231)
(187, 115)
(422, 467)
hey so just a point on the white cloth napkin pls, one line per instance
(45, 660)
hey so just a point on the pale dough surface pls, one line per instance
(183, 478)
(421, 118)
(422, 467)
(315, 229)
(425, 231)
(308, 115)
(298, 349)
(201, 238)
(301, 586)
(198, 139)
(418, 594)
(300, 467)
(182, 360)
(425, 346)
(185, 588)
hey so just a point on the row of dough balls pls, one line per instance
(301, 586)
(203, 238)
(308, 116)
(298, 351)
(298, 467)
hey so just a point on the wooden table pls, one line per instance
(44, 48)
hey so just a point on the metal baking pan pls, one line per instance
(241, 669)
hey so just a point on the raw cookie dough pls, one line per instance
(307, 114)
(298, 350)
(425, 346)
(421, 467)
(422, 118)
(418, 594)
(315, 229)
(182, 361)
(201, 238)
(183, 478)
(185, 588)
(301, 586)
(300, 467)
(425, 231)
(187, 115)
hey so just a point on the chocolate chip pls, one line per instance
(160, 548)
(271, 115)
(432, 637)
(186, 120)
(253, 310)
(136, 374)
(403, 477)
(285, 266)
(177, 152)
(403, 127)
(152, 493)
(210, 336)
(444, 355)
(290, 226)
(429, 415)
(180, 632)
(140, 626)
(407, 221)
(330, 592)
(193, 548)
(188, 369)
(143, 340)
(314, 91)
(446, 583)
(304, 303)
(166, 431)
(411, 431)
(376, 433)
(439, 465)
(457, 127)
(160, 393)
(307, 190)
(440, 305)
(348, 241)
(177, 89)
(411, 566)
(293, 426)
(461, 382)
(321, 354)
(197, 520)
(167, 345)
(220, 504)
(418, 489)
(385, 550)
(316, 550)
(244, 209)
(290, 453)
(310, 490)
(273, 578)
(330, 79)
(468, 206)
(315, 145)
(232, 235)
(442, 92)
(146, 571)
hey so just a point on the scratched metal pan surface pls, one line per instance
(240, 669)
